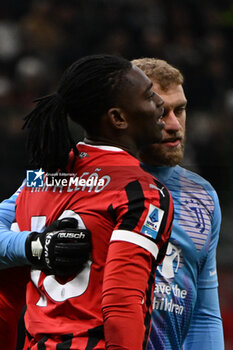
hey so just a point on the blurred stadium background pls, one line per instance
(40, 38)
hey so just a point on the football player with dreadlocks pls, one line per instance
(132, 212)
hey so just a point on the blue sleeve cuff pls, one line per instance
(12, 247)
(12, 244)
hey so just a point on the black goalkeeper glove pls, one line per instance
(61, 248)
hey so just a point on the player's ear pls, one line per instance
(117, 118)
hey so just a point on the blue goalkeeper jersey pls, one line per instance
(185, 297)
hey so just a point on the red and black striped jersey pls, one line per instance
(129, 214)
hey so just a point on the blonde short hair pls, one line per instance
(160, 72)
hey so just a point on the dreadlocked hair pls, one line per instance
(87, 89)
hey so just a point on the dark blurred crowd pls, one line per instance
(40, 38)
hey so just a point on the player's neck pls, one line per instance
(124, 145)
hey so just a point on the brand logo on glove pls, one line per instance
(71, 235)
(46, 251)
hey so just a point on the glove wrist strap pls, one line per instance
(33, 248)
(36, 248)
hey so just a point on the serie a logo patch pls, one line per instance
(153, 221)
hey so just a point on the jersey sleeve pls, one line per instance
(206, 330)
(138, 244)
(144, 217)
(208, 274)
(12, 244)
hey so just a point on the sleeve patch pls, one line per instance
(153, 220)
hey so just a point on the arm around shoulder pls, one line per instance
(12, 244)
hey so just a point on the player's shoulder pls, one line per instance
(153, 187)
(134, 176)
(195, 178)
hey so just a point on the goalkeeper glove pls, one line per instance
(61, 248)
